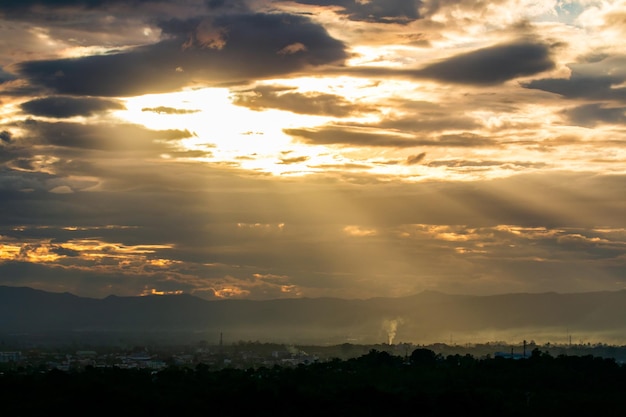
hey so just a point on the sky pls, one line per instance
(267, 149)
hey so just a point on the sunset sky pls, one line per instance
(342, 148)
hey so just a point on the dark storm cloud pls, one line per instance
(363, 136)
(488, 66)
(26, 6)
(376, 11)
(595, 79)
(197, 50)
(61, 107)
(599, 88)
(134, 73)
(492, 65)
(580, 86)
(283, 98)
(589, 115)
(107, 137)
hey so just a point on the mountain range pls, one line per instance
(427, 317)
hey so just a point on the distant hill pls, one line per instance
(427, 317)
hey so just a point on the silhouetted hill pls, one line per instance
(423, 318)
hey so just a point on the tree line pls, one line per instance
(374, 384)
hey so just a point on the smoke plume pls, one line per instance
(391, 327)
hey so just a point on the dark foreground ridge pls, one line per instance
(374, 384)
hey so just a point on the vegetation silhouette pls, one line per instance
(377, 383)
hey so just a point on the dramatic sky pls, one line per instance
(347, 148)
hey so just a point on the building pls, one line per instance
(6, 357)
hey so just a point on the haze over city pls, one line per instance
(323, 148)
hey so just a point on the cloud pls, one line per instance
(5, 136)
(27, 4)
(293, 48)
(374, 11)
(250, 227)
(339, 135)
(62, 189)
(487, 66)
(597, 80)
(492, 65)
(431, 7)
(598, 88)
(590, 115)
(294, 160)
(415, 159)
(441, 174)
(168, 110)
(63, 251)
(48, 29)
(284, 98)
(366, 136)
(26, 9)
(479, 164)
(5, 76)
(105, 137)
(466, 139)
(342, 167)
(61, 107)
(254, 38)
(357, 231)
(424, 121)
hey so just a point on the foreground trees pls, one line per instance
(375, 384)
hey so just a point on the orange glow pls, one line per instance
(153, 291)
